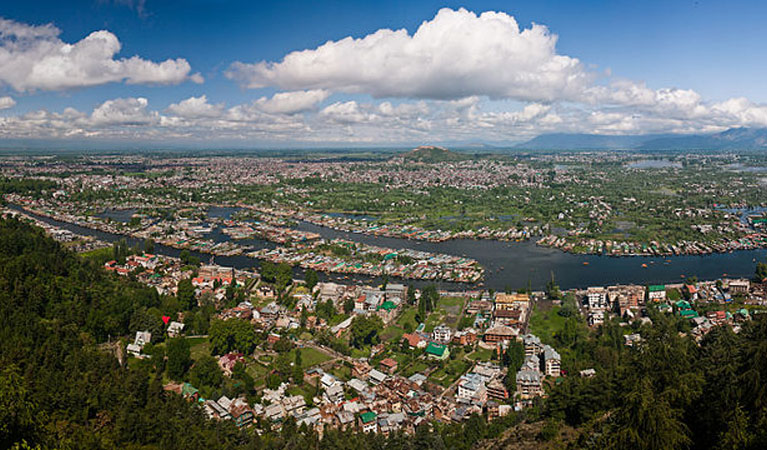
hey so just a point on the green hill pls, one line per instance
(431, 154)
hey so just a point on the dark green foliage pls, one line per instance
(179, 357)
(232, 335)
(205, 373)
(311, 278)
(365, 330)
(185, 294)
(281, 275)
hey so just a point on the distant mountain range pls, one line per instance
(732, 139)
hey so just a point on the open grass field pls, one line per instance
(311, 357)
(545, 322)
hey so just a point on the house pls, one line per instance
(345, 419)
(142, 338)
(334, 394)
(551, 362)
(270, 311)
(240, 412)
(214, 410)
(507, 316)
(533, 345)
(368, 422)
(337, 330)
(692, 291)
(500, 333)
(479, 306)
(472, 387)
(190, 392)
(414, 340)
(376, 377)
(597, 298)
(227, 362)
(739, 287)
(437, 351)
(294, 405)
(175, 329)
(656, 292)
(464, 337)
(528, 384)
(511, 301)
(361, 369)
(442, 334)
(587, 373)
(358, 385)
(596, 317)
(388, 365)
(274, 412)
(496, 390)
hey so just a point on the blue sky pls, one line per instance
(682, 66)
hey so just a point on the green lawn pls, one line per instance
(416, 367)
(311, 357)
(545, 323)
(392, 333)
(451, 372)
(341, 372)
(200, 348)
(434, 319)
(407, 316)
(480, 354)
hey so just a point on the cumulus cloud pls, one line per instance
(195, 108)
(124, 111)
(33, 57)
(7, 102)
(292, 102)
(454, 55)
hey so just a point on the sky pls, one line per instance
(218, 73)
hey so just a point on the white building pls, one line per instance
(442, 334)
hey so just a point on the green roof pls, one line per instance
(688, 313)
(388, 305)
(683, 304)
(657, 287)
(188, 390)
(435, 349)
(368, 417)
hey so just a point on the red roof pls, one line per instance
(388, 362)
(412, 339)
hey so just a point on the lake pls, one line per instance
(512, 264)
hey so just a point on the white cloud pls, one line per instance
(346, 113)
(124, 111)
(455, 55)
(35, 58)
(195, 108)
(292, 102)
(7, 102)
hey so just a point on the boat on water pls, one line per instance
(644, 266)
(585, 263)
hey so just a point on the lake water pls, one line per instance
(513, 264)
